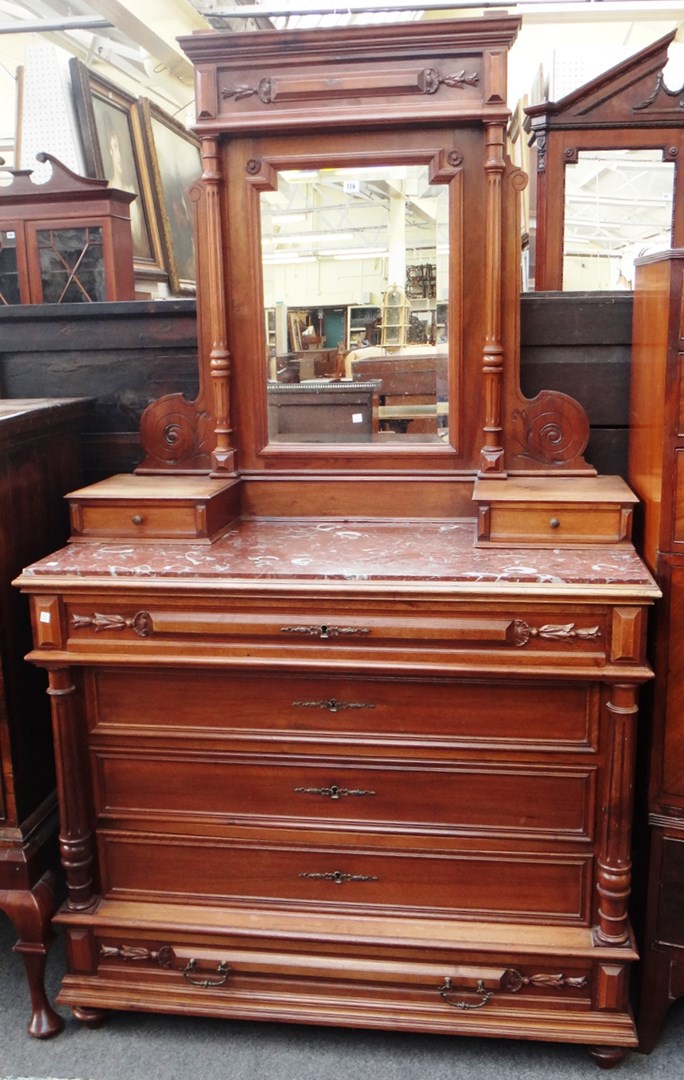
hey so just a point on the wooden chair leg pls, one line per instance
(30, 912)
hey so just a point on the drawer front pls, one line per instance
(489, 885)
(444, 991)
(327, 633)
(141, 520)
(561, 524)
(214, 705)
(446, 798)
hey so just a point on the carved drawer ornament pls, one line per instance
(332, 705)
(141, 622)
(325, 631)
(428, 81)
(523, 632)
(338, 877)
(514, 980)
(332, 792)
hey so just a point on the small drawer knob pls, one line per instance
(137, 519)
(554, 523)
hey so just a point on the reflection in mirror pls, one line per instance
(618, 206)
(355, 275)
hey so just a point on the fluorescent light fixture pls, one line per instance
(311, 238)
(361, 253)
(288, 258)
(289, 219)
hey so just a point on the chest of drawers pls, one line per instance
(379, 778)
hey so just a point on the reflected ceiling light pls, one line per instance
(362, 253)
(312, 238)
(288, 258)
(289, 219)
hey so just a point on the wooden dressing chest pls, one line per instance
(357, 756)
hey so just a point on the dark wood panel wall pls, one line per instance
(124, 355)
(580, 343)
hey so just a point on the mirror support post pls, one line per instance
(491, 455)
(223, 455)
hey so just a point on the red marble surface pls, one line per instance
(438, 551)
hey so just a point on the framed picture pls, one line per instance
(174, 164)
(113, 149)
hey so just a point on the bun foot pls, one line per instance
(92, 1018)
(607, 1057)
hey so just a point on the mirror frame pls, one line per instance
(627, 107)
(427, 91)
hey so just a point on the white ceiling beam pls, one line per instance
(164, 21)
(40, 26)
(532, 10)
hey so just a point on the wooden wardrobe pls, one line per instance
(656, 454)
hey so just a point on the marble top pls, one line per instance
(351, 551)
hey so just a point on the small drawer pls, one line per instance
(196, 509)
(371, 874)
(582, 511)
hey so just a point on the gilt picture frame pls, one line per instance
(175, 165)
(113, 149)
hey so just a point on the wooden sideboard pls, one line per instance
(39, 461)
(655, 468)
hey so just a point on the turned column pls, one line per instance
(75, 840)
(491, 455)
(223, 454)
(614, 874)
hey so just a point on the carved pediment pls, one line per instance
(631, 93)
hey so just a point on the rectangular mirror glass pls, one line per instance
(618, 206)
(355, 276)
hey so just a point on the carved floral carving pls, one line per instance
(429, 81)
(263, 90)
(514, 980)
(523, 632)
(141, 622)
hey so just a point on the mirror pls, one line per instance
(618, 206)
(355, 266)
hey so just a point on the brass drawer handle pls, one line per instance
(338, 877)
(332, 705)
(222, 971)
(324, 631)
(165, 957)
(485, 996)
(332, 792)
